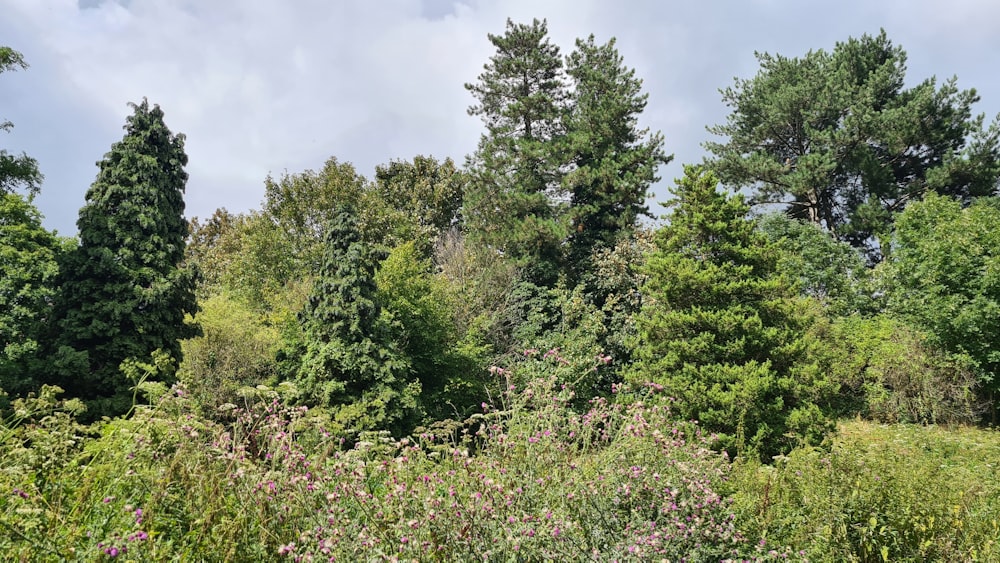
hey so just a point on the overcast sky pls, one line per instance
(268, 86)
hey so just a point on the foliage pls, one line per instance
(28, 253)
(722, 331)
(16, 171)
(350, 361)
(123, 293)
(622, 482)
(301, 205)
(836, 137)
(890, 372)
(946, 277)
(237, 349)
(614, 162)
(419, 304)
(823, 267)
(515, 174)
(881, 493)
(614, 287)
(416, 201)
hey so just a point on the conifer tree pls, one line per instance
(721, 330)
(123, 292)
(350, 361)
(514, 204)
(837, 137)
(614, 161)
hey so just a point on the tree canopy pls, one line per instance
(123, 293)
(514, 203)
(838, 138)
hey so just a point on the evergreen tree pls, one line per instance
(123, 292)
(615, 161)
(514, 204)
(837, 138)
(350, 361)
(721, 330)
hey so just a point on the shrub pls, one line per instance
(882, 493)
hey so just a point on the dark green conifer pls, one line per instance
(350, 361)
(123, 292)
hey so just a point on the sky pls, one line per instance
(264, 87)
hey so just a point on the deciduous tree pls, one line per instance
(28, 256)
(16, 171)
(946, 278)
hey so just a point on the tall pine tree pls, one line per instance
(614, 161)
(123, 292)
(514, 204)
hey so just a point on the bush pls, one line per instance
(882, 493)
(889, 372)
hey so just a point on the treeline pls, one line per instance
(835, 255)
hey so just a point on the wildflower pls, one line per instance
(286, 549)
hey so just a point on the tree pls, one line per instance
(417, 201)
(839, 140)
(16, 171)
(945, 271)
(513, 204)
(424, 328)
(350, 362)
(722, 331)
(302, 205)
(614, 161)
(28, 255)
(825, 269)
(123, 291)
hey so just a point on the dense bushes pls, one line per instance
(881, 493)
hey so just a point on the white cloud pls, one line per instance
(263, 86)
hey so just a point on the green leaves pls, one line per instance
(946, 272)
(16, 171)
(28, 256)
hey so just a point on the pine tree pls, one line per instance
(721, 330)
(350, 361)
(837, 137)
(514, 204)
(123, 292)
(615, 161)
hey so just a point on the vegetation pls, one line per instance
(498, 360)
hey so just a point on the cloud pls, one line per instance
(263, 86)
